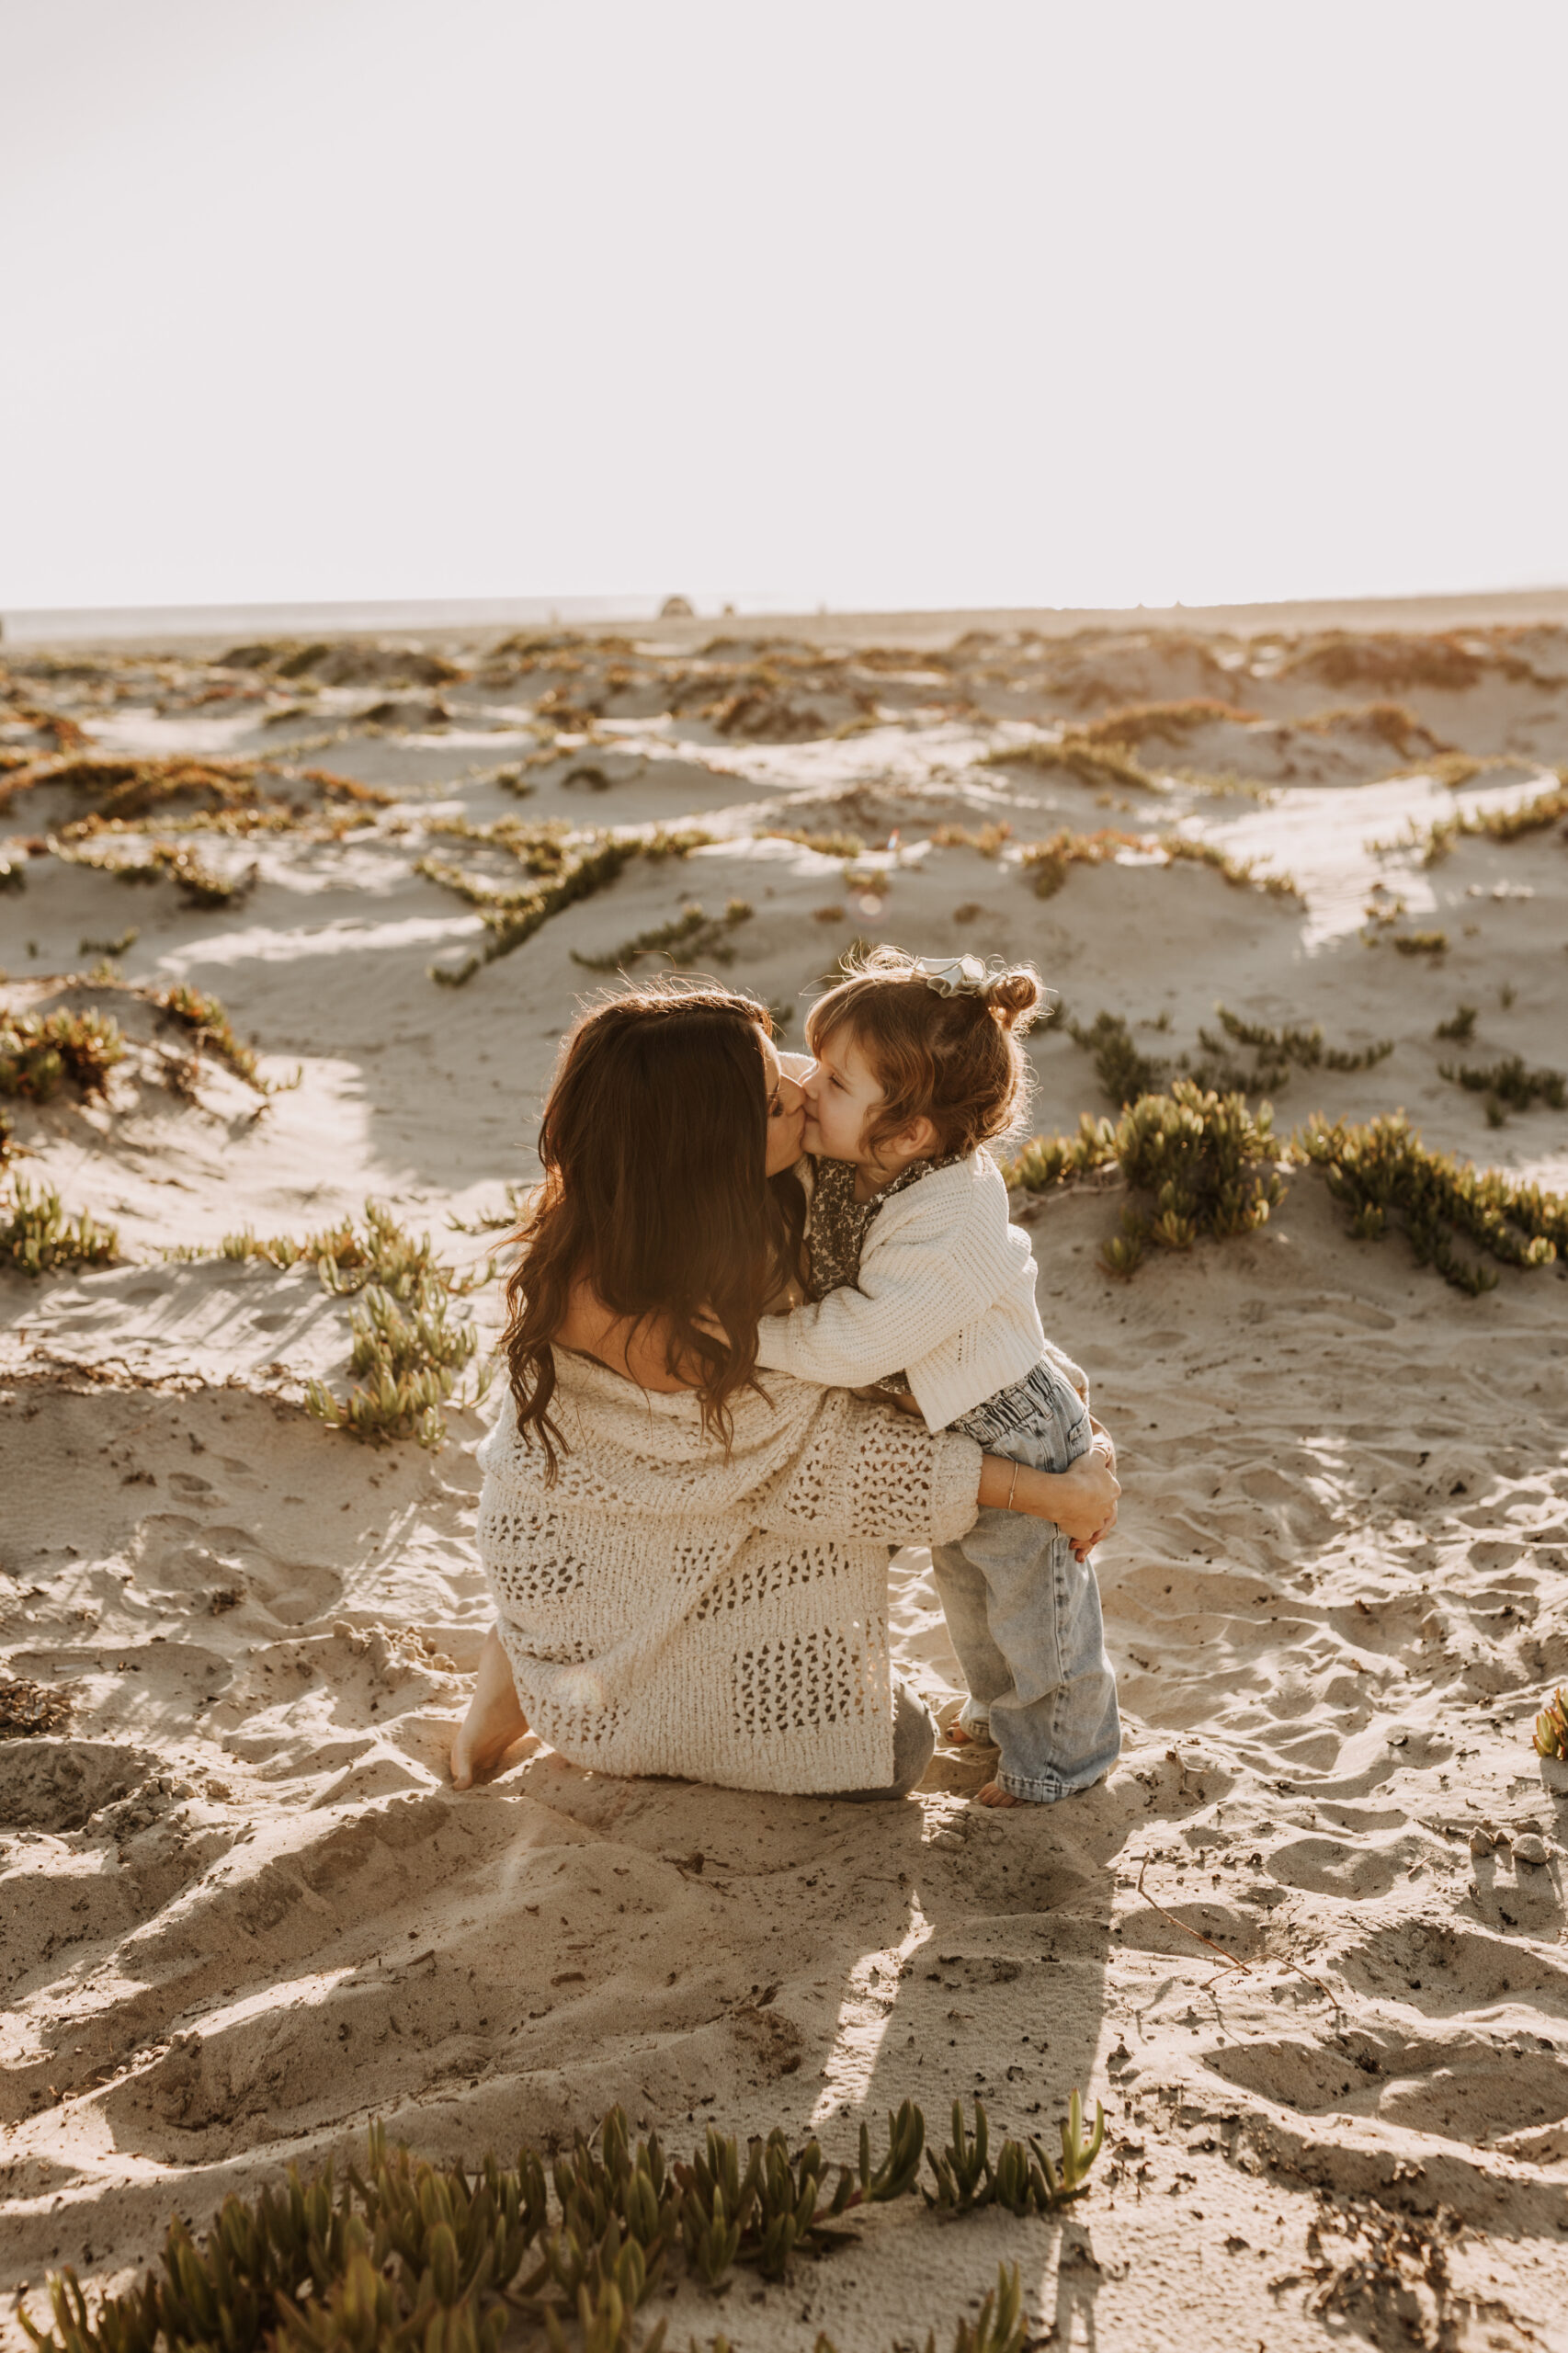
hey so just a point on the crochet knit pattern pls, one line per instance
(670, 1608)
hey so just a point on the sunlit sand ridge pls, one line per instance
(301, 928)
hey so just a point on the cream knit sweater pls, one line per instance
(946, 1293)
(667, 1608)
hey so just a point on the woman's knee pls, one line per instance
(914, 1738)
(914, 1745)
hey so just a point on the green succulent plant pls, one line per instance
(1384, 1177)
(1552, 1729)
(401, 2256)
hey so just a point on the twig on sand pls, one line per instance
(1332, 1999)
(1230, 1959)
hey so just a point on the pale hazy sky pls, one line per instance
(863, 301)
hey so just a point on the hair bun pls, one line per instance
(1014, 994)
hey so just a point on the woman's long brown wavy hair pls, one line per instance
(655, 1194)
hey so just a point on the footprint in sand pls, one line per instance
(1466, 2087)
(175, 1556)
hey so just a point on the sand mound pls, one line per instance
(351, 664)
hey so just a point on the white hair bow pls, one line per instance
(961, 976)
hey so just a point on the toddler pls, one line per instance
(919, 1285)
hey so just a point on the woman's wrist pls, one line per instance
(1079, 1500)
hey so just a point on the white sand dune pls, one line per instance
(241, 1911)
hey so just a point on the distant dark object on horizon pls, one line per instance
(676, 609)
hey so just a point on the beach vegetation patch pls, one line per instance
(565, 866)
(1241, 873)
(1510, 1085)
(41, 1053)
(989, 840)
(1123, 1071)
(200, 884)
(1460, 1027)
(350, 1256)
(205, 1017)
(408, 1349)
(1435, 841)
(1386, 1180)
(345, 663)
(1049, 1161)
(132, 788)
(39, 1235)
(826, 845)
(1393, 724)
(1421, 943)
(1529, 817)
(689, 939)
(191, 795)
(406, 1365)
(511, 918)
(1102, 766)
(1161, 722)
(1552, 1729)
(1047, 863)
(503, 1220)
(29, 1709)
(404, 2254)
(1390, 661)
(1274, 1052)
(1203, 1164)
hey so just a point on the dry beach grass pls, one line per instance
(1309, 1946)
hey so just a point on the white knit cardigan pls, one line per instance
(668, 1607)
(946, 1293)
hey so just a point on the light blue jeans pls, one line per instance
(1024, 1615)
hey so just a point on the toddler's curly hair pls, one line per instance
(955, 1060)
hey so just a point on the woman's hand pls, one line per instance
(1105, 1445)
(1082, 1500)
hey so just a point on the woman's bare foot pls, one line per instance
(958, 1733)
(994, 1794)
(493, 1722)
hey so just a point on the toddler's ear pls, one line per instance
(918, 1139)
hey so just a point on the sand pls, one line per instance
(241, 1911)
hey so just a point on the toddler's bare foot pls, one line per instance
(958, 1736)
(994, 1794)
(495, 1719)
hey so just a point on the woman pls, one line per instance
(690, 1568)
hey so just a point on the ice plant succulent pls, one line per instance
(1552, 1729)
(424, 2258)
(40, 1235)
(1385, 1178)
